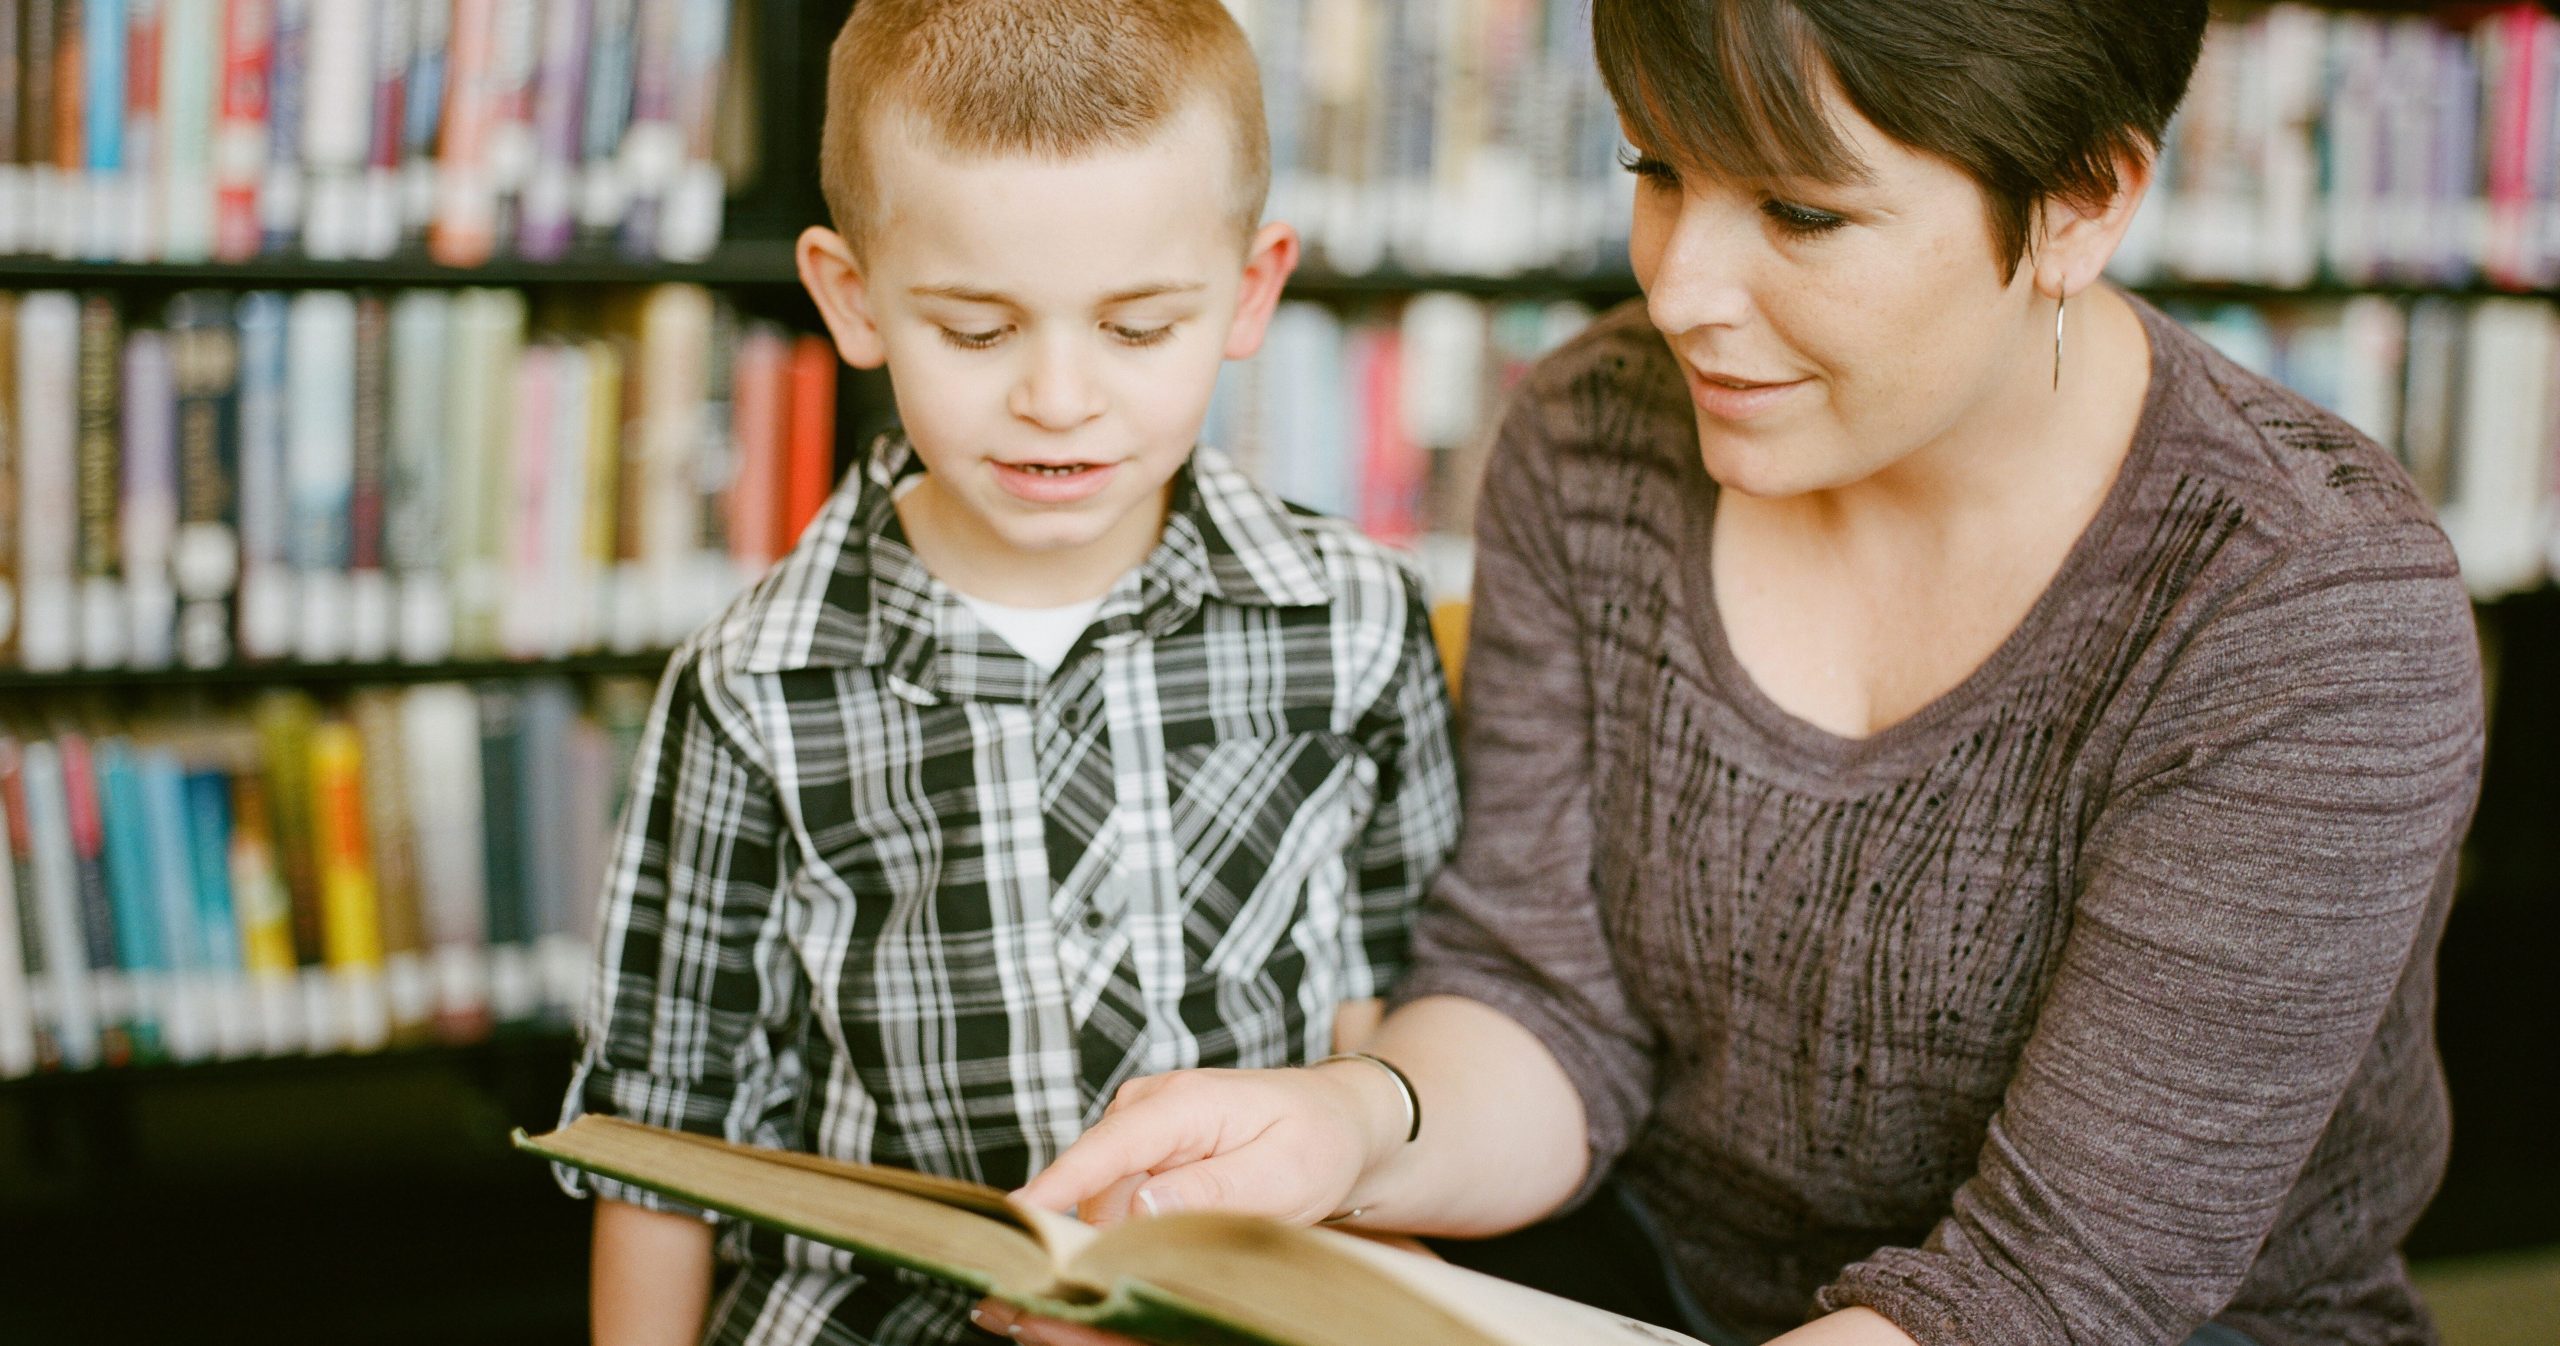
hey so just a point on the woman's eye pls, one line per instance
(1651, 171)
(1139, 336)
(972, 341)
(1802, 221)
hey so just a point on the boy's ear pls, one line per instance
(833, 278)
(1268, 260)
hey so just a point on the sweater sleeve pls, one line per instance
(2270, 857)
(1514, 922)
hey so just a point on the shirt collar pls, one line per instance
(853, 594)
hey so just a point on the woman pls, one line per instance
(1963, 781)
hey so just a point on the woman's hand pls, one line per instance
(1291, 1145)
(1004, 1320)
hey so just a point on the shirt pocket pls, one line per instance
(1262, 831)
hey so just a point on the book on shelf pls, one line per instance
(303, 875)
(353, 476)
(1199, 1277)
(2411, 149)
(195, 130)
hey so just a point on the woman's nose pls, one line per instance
(1701, 275)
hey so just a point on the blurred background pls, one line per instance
(386, 385)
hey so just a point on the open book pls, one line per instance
(1193, 1279)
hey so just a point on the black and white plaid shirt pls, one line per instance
(885, 891)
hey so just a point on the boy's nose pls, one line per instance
(1057, 392)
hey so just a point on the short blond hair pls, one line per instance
(1045, 77)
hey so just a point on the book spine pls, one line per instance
(70, 129)
(240, 140)
(414, 542)
(423, 103)
(602, 193)
(44, 1017)
(132, 210)
(205, 564)
(285, 723)
(349, 902)
(379, 211)
(262, 903)
(281, 189)
(514, 978)
(189, 1028)
(266, 571)
(320, 468)
(19, 1032)
(480, 504)
(48, 486)
(337, 126)
(440, 736)
(406, 985)
(207, 802)
(688, 224)
(813, 435)
(547, 716)
(12, 449)
(560, 525)
(370, 610)
(190, 73)
(550, 191)
(514, 54)
(524, 599)
(14, 206)
(652, 144)
(762, 374)
(101, 620)
(102, 101)
(72, 955)
(465, 229)
(38, 51)
(147, 525)
(605, 401)
(112, 987)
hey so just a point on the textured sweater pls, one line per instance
(2093, 1001)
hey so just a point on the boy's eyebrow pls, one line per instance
(962, 294)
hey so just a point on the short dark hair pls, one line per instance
(2034, 99)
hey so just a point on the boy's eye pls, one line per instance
(1801, 221)
(972, 341)
(1651, 171)
(1138, 336)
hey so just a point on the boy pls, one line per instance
(1054, 755)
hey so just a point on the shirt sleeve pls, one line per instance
(1514, 923)
(1415, 820)
(698, 997)
(2269, 864)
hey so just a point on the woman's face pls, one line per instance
(1830, 331)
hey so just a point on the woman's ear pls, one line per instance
(833, 278)
(2076, 240)
(1268, 260)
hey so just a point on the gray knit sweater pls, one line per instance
(2093, 1001)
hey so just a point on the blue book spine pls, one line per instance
(280, 192)
(208, 806)
(102, 44)
(187, 1021)
(140, 949)
(265, 618)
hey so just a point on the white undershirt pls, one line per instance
(1041, 635)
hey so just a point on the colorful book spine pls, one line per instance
(67, 228)
(132, 205)
(19, 1034)
(282, 196)
(44, 1027)
(549, 217)
(102, 102)
(266, 627)
(515, 978)
(407, 987)
(414, 541)
(465, 229)
(602, 193)
(102, 620)
(11, 451)
(422, 118)
(190, 1027)
(350, 904)
(206, 562)
(262, 903)
(14, 204)
(688, 222)
(240, 150)
(122, 1007)
(38, 52)
(813, 435)
(285, 724)
(206, 801)
(371, 609)
(378, 220)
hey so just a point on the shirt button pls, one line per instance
(1071, 716)
(1094, 919)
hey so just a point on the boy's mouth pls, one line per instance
(1053, 483)
(1054, 469)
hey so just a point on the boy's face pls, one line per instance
(1053, 329)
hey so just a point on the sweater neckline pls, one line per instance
(1925, 728)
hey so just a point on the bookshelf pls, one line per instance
(86, 1157)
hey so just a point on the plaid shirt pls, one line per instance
(885, 891)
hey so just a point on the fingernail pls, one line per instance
(1166, 1204)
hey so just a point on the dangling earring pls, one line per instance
(2059, 306)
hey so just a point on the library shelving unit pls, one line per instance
(377, 1187)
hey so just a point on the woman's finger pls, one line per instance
(1116, 1203)
(1004, 1320)
(1132, 1141)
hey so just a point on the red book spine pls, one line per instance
(811, 473)
(240, 142)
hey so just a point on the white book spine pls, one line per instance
(440, 740)
(48, 340)
(337, 127)
(320, 467)
(191, 61)
(73, 991)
